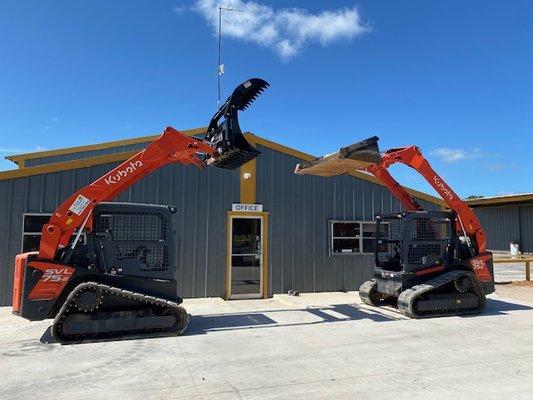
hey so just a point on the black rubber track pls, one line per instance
(172, 319)
(368, 293)
(408, 298)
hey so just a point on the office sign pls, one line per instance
(241, 207)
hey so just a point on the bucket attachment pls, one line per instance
(345, 161)
(232, 147)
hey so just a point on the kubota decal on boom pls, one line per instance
(122, 173)
(445, 190)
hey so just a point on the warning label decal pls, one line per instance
(79, 205)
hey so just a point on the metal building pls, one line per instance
(506, 219)
(251, 232)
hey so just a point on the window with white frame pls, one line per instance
(354, 237)
(32, 224)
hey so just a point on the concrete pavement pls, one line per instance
(314, 346)
(512, 272)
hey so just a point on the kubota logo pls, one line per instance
(122, 173)
(445, 190)
(57, 275)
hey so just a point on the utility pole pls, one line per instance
(220, 66)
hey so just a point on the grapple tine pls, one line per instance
(233, 150)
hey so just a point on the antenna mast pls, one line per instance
(220, 66)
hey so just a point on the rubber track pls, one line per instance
(365, 292)
(407, 298)
(137, 333)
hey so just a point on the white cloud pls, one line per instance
(285, 31)
(181, 9)
(452, 155)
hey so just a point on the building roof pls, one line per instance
(507, 199)
(23, 170)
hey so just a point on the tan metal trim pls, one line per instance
(18, 158)
(519, 198)
(279, 147)
(248, 186)
(367, 177)
(66, 165)
(265, 284)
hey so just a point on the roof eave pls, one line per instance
(115, 157)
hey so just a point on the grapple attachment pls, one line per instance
(347, 160)
(224, 133)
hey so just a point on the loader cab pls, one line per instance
(412, 241)
(133, 239)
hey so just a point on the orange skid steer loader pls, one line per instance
(120, 282)
(427, 263)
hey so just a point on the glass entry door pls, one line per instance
(246, 257)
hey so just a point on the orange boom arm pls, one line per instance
(412, 157)
(172, 146)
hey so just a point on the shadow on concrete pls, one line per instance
(201, 324)
(502, 307)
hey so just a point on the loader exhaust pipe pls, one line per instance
(224, 132)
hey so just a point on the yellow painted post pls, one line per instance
(528, 271)
(248, 172)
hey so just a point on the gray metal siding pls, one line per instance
(526, 226)
(300, 210)
(505, 224)
(202, 199)
(84, 154)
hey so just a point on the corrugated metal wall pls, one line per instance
(300, 210)
(84, 154)
(202, 198)
(507, 223)
(526, 228)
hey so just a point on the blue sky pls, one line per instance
(452, 77)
